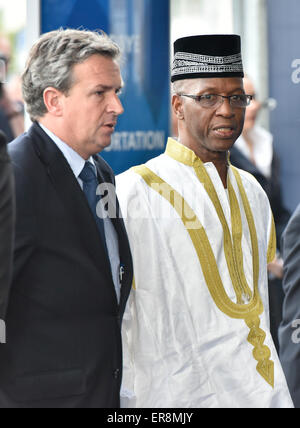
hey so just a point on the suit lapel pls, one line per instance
(71, 196)
(118, 223)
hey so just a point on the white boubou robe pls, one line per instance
(196, 328)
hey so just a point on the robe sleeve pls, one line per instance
(124, 184)
(128, 398)
(271, 254)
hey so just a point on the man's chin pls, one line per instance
(224, 145)
(103, 144)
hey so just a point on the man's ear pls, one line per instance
(52, 99)
(177, 106)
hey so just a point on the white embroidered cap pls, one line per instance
(207, 56)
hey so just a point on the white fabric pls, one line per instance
(262, 149)
(180, 350)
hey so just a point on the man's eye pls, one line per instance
(207, 97)
(237, 97)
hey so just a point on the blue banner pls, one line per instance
(141, 28)
(284, 77)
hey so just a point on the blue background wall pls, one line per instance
(284, 71)
(141, 28)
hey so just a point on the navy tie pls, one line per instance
(90, 184)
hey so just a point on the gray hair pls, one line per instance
(178, 86)
(51, 61)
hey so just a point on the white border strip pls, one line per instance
(33, 26)
(32, 32)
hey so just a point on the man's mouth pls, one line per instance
(110, 125)
(224, 131)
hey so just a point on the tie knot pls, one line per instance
(88, 173)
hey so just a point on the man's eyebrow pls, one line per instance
(103, 87)
(213, 88)
(108, 88)
(209, 88)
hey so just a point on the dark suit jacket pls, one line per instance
(5, 126)
(6, 226)
(289, 333)
(63, 322)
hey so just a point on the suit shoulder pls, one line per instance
(25, 164)
(105, 168)
(294, 223)
(20, 148)
(296, 214)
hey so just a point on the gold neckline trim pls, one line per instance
(181, 153)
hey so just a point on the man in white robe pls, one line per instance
(196, 330)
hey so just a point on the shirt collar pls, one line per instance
(183, 154)
(75, 161)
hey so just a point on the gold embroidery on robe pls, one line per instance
(250, 311)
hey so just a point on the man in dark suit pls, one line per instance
(289, 332)
(72, 264)
(6, 230)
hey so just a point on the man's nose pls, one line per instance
(225, 108)
(114, 105)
